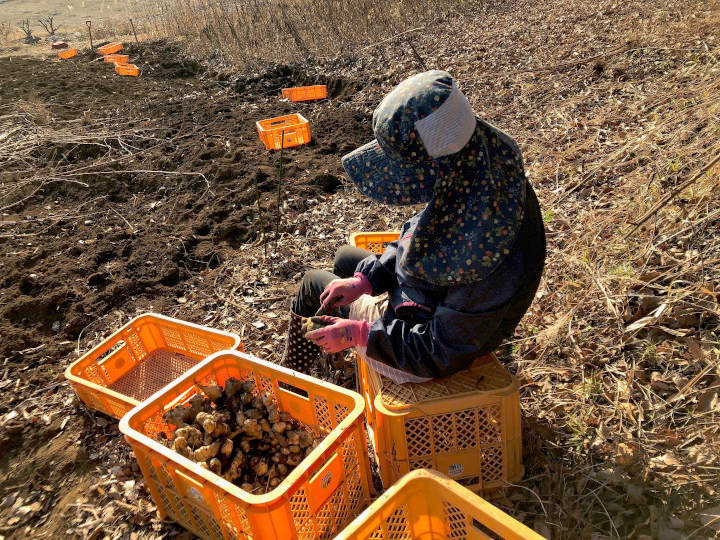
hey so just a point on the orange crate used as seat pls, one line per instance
(110, 48)
(69, 53)
(319, 497)
(305, 93)
(119, 58)
(293, 128)
(466, 426)
(143, 356)
(428, 505)
(130, 70)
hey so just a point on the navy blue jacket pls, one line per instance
(435, 331)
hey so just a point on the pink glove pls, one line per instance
(341, 292)
(341, 334)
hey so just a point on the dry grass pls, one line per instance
(258, 32)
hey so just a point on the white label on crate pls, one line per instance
(455, 469)
(195, 493)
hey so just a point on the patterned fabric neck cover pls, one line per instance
(430, 147)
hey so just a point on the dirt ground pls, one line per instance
(152, 186)
(69, 15)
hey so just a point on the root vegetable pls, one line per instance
(252, 428)
(255, 414)
(177, 416)
(236, 467)
(221, 430)
(212, 391)
(192, 434)
(293, 437)
(207, 452)
(310, 324)
(239, 434)
(180, 445)
(232, 387)
(207, 421)
(215, 466)
(197, 404)
(226, 448)
(261, 468)
(305, 438)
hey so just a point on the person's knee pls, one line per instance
(311, 280)
(307, 300)
(345, 261)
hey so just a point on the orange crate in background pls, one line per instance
(373, 241)
(68, 54)
(140, 358)
(428, 505)
(319, 497)
(305, 93)
(293, 128)
(110, 48)
(119, 58)
(130, 70)
(466, 426)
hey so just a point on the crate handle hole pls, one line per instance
(486, 530)
(112, 350)
(294, 389)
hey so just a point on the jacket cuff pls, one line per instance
(365, 285)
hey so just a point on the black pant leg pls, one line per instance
(347, 259)
(312, 286)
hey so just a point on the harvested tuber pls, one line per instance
(310, 324)
(238, 434)
(204, 453)
(215, 466)
(192, 434)
(212, 391)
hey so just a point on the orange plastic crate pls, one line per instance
(466, 426)
(319, 497)
(428, 505)
(305, 93)
(110, 48)
(64, 55)
(143, 356)
(293, 128)
(130, 70)
(119, 58)
(373, 241)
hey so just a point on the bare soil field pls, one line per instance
(121, 196)
(70, 15)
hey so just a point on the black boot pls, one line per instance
(300, 353)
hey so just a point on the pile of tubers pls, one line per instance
(239, 435)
